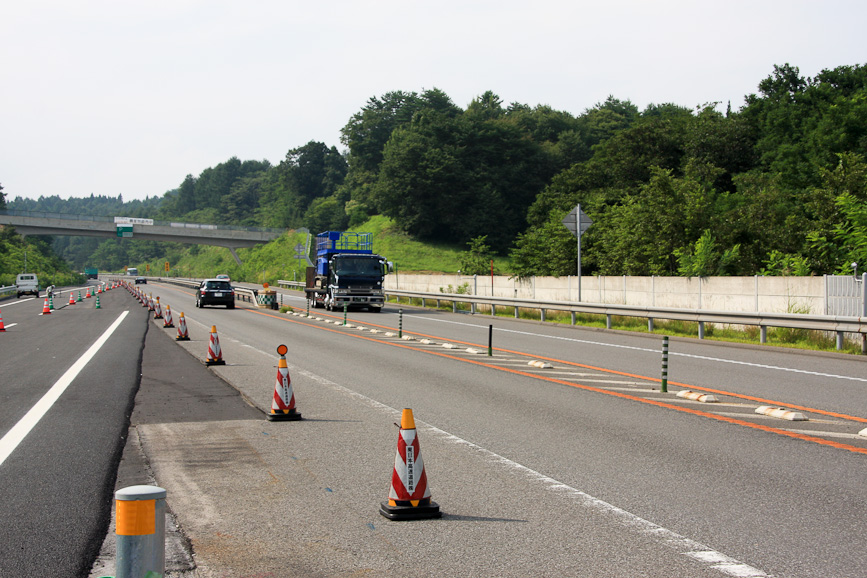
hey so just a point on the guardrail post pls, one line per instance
(763, 333)
(454, 306)
(607, 321)
(516, 312)
(141, 531)
(573, 318)
(839, 340)
(650, 324)
(542, 311)
(493, 310)
(663, 387)
(701, 329)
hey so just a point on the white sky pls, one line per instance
(111, 97)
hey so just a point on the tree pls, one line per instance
(2, 198)
(476, 261)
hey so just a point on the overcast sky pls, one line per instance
(112, 97)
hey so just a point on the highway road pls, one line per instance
(67, 381)
(580, 467)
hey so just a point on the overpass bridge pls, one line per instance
(37, 223)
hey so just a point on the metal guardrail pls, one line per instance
(9, 289)
(830, 323)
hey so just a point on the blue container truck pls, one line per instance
(347, 272)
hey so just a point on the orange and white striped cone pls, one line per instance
(71, 299)
(167, 322)
(215, 355)
(182, 329)
(158, 310)
(87, 296)
(283, 405)
(409, 498)
(46, 310)
(2, 327)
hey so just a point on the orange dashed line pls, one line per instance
(622, 395)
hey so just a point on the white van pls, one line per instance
(27, 283)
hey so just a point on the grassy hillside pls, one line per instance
(276, 260)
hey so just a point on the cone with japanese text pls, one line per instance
(45, 309)
(158, 309)
(283, 404)
(215, 355)
(167, 320)
(409, 497)
(182, 329)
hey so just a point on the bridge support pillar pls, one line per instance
(235, 255)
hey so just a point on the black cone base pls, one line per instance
(182, 338)
(401, 513)
(215, 362)
(291, 416)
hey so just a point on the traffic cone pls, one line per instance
(215, 355)
(2, 327)
(87, 296)
(51, 303)
(98, 289)
(45, 309)
(71, 299)
(167, 322)
(97, 303)
(182, 329)
(283, 405)
(158, 310)
(409, 498)
(79, 297)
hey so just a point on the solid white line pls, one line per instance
(17, 434)
(656, 351)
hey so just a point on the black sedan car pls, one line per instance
(215, 292)
(140, 280)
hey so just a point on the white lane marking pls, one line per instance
(10, 325)
(17, 302)
(695, 550)
(656, 351)
(19, 431)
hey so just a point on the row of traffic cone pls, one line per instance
(409, 497)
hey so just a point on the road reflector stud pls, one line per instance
(283, 404)
(215, 355)
(182, 329)
(695, 396)
(781, 413)
(409, 497)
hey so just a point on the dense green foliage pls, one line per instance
(776, 187)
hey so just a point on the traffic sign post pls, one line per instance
(577, 222)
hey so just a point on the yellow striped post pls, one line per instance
(140, 529)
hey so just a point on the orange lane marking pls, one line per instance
(619, 394)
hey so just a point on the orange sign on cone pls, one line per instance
(46, 310)
(182, 329)
(215, 355)
(409, 498)
(283, 406)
